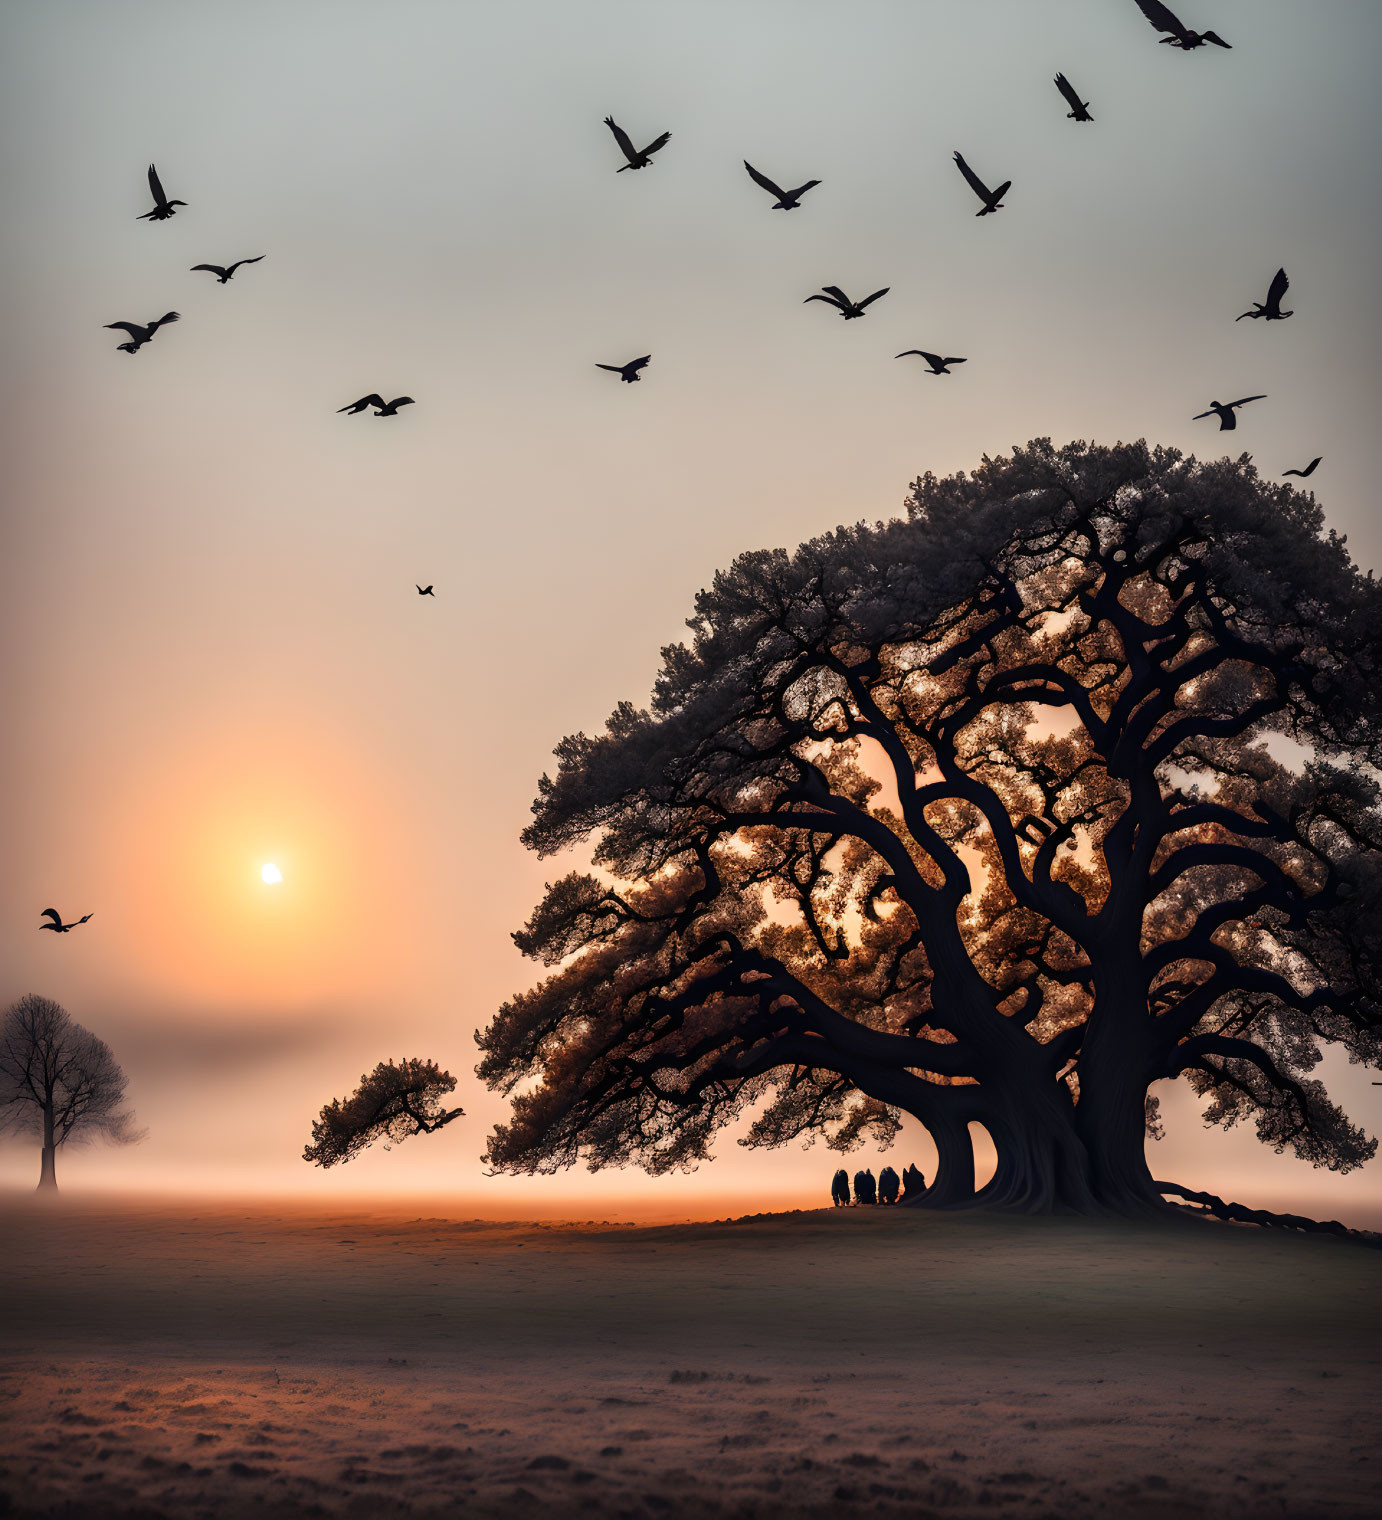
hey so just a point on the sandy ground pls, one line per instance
(877, 1362)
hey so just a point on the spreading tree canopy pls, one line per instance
(391, 1103)
(999, 814)
(59, 1082)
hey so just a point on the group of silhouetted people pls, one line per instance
(885, 1189)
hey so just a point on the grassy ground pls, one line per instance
(829, 1362)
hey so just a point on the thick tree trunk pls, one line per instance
(1042, 1167)
(1053, 1155)
(1115, 1138)
(1042, 1164)
(1118, 1060)
(1111, 1119)
(953, 1184)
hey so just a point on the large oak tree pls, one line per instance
(998, 814)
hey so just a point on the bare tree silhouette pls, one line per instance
(391, 1103)
(58, 1081)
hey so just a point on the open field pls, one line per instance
(882, 1362)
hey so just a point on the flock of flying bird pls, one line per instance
(1177, 35)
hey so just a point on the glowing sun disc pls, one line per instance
(270, 875)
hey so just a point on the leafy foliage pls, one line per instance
(1003, 812)
(391, 1103)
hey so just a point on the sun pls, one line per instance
(270, 875)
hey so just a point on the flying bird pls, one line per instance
(224, 274)
(57, 925)
(386, 408)
(1308, 470)
(787, 200)
(163, 207)
(1271, 307)
(628, 373)
(938, 365)
(990, 198)
(424, 590)
(1079, 109)
(636, 160)
(139, 336)
(848, 309)
(1224, 411)
(1180, 35)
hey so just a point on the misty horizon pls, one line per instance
(222, 659)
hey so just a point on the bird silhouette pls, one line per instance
(1224, 411)
(1308, 470)
(1181, 36)
(139, 336)
(163, 207)
(636, 159)
(938, 365)
(990, 198)
(224, 274)
(787, 200)
(386, 408)
(1079, 109)
(628, 373)
(848, 309)
(1271, 307)
(424, 590)
(57, 925)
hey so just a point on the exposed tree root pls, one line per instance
(1236, 1213)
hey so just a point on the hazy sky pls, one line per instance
(215, 652)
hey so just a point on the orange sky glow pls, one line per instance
(219, 658)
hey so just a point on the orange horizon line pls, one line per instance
(764, 1200)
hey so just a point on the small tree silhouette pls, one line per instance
(391, 1103)
(59, 1081)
